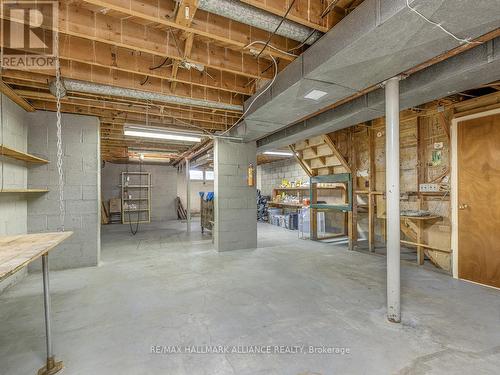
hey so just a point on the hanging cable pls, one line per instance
(272, 47)
(133, 230)
(277, 27)
(461, 40)
(62, 210)
(257, 97)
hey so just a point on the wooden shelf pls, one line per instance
(19, 155)
(294, 188)
(10, 191)
(281, 204)
(144, 208)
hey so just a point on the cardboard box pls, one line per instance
(115, 205)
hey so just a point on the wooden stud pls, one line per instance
(11, 94)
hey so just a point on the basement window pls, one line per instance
(195, 175)
(209, 175)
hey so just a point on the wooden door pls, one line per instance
(479, 200)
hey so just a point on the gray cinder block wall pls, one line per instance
(270, 175)
(163, 191)
(13, 174)
(81, 159)
(235, 205)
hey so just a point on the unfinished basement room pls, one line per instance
(250, 187)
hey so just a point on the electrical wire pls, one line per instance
(277, 27)
(271, 46)
(303, 42)
(133, 230)
(461, 40)
(257, 97)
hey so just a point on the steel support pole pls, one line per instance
(392, 196)
(51, 367)
(188, 197)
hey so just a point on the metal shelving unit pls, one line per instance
(136, 203)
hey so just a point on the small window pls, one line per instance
(195, 175)
(209, 175)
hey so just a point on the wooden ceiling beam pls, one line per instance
(92, 74)
(307, 13)
(152, 111)
(12, 95)
(125, 116)
(185, 14)
(20, 84)
(205, 26)
(127, 60)
(103, 28)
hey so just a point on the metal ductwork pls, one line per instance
(98, 89)
(252, 16)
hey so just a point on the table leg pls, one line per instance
(51, 367)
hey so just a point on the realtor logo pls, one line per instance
(27, 38)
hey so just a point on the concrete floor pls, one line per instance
(163, 288)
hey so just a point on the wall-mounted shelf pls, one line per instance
(19, 155)
(10, 191)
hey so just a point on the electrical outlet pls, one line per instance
(426, 188)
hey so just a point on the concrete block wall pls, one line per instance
(81, 165)
(235, 205)
(13, 174)
(163, 191)
(269, 175)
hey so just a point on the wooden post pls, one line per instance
(353, 214)
(314, 213)
(371, 188)
(421, 178)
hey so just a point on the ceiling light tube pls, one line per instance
(156, 135)
(278, 153)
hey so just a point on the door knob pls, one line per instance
(463, 206)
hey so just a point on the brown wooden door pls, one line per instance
(479, 200)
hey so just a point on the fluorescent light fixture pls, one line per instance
(315, 94)
(278, 153)
(159, 135)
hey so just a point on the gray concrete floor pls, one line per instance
(165, 288)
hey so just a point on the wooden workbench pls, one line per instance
(17, 252)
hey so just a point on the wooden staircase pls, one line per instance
(318, 156)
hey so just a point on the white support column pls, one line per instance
(188, 197)
(392, 196)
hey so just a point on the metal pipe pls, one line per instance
(188, 197)
(108, 90)
(250, 15)
(392, 199)
(46, 302)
